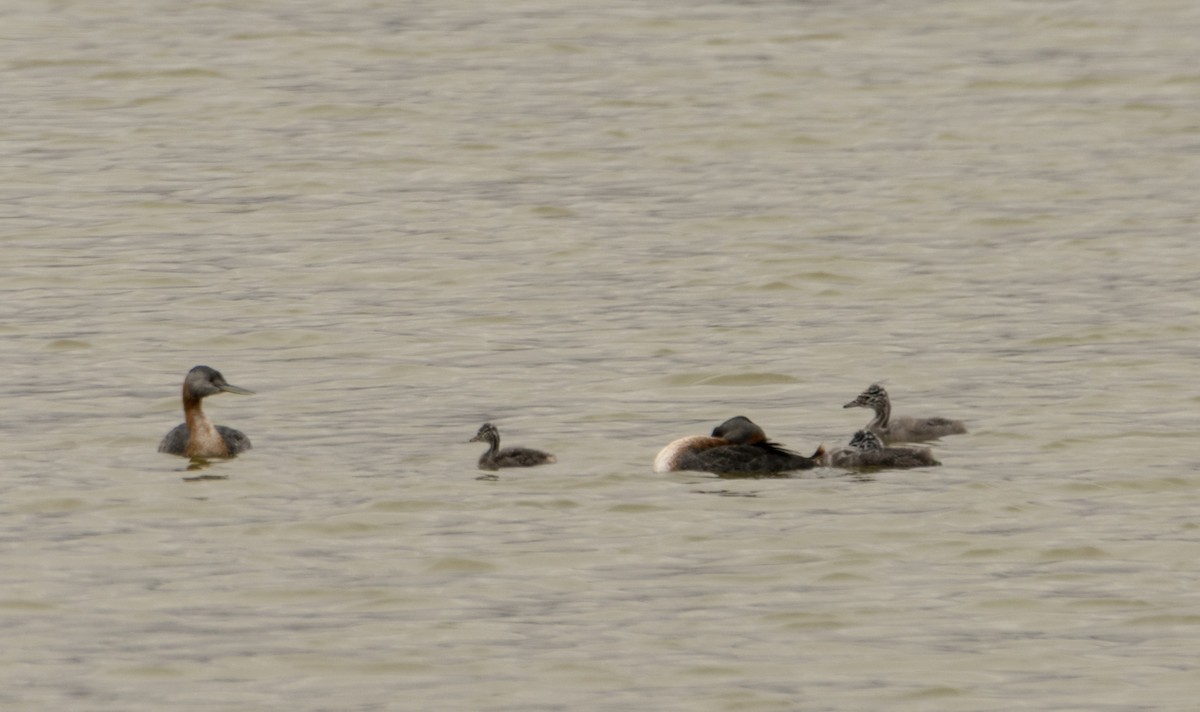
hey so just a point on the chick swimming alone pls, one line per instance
(736, 447)
(867, 451)
(197, 436)
(901, 428)
(495, 458)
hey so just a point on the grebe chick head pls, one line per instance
(874, 397)
(487, 434)
(866, 441)
(203, 381)
(740, 430)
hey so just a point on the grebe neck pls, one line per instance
(203, 438)
(883, 412)
(493, 441)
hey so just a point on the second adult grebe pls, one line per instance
(866, 451)
(495, 458)
(902, 428)
(197, 436)
(736, 447)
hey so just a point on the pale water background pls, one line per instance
(601, 226)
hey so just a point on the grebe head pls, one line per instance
(866, 441)
(739, 430)
(487, 433)
(871, 398)
(203, 381)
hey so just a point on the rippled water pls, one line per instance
(601, 228)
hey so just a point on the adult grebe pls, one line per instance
(495, 458)
(865, 450)
(901, 429)
(198, 437)
(736, 447)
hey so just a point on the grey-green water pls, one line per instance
(601, 227)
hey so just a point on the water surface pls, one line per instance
(600, 228)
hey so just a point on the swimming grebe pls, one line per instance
(198, 437)
(736, 447)
(495, 458)
(865, 450)
(901, 429)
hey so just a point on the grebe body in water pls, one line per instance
(902, 428)
(867, 451)
(495, 458)
(197, 436)
(736, 447)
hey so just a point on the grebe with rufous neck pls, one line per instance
(197, 437)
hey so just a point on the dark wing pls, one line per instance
(522, 457)
(898, 457)
(755, 459)
(945, 426)
(175, 442)
(235, 440)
